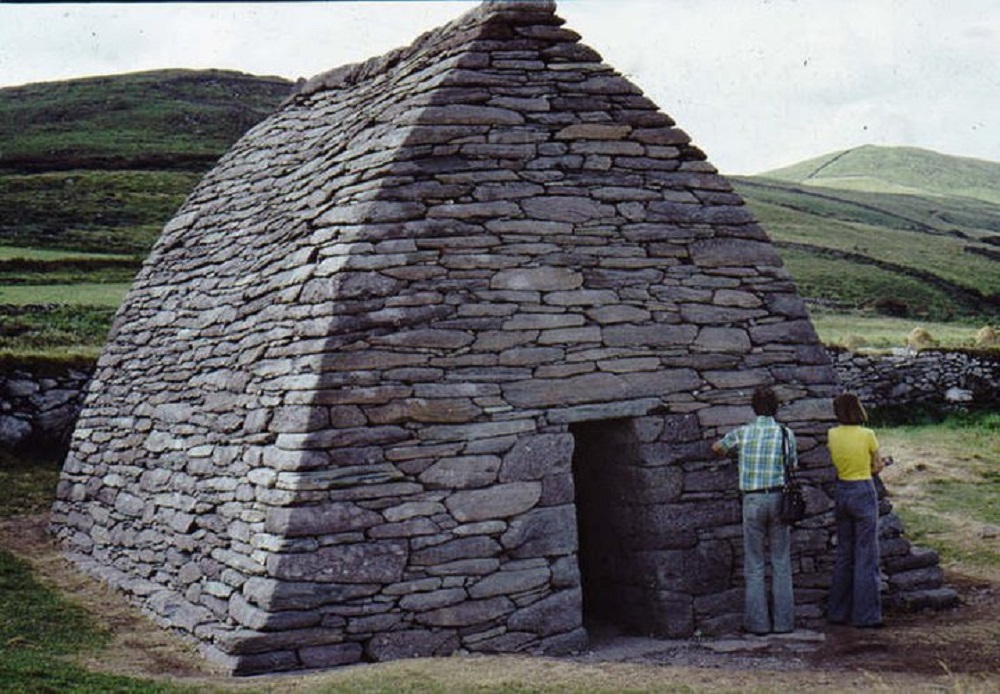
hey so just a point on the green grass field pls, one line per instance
(41, 631)
(853, 330)
(862, 291)
(942, 256)
(56, 255)
(949, 473)
(104, 295)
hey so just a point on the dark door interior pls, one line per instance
(606, 501)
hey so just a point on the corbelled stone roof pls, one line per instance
(449, 331)
(491, 21)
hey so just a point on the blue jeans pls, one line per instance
(762, 525)
(855, 596)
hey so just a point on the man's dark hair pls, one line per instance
(765, 402)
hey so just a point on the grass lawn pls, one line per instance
(68, 294)
(40, 634)
(15, 252)
(946, 481)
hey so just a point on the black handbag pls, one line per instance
(793, 502)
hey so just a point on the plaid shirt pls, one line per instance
(761, 459)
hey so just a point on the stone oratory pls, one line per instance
(431, 362)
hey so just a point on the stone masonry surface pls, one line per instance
(430, 346)
(41, 408)
(930, 378)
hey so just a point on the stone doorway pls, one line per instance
(610, 506)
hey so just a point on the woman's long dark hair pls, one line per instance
(849, 410)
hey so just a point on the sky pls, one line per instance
(757, 84)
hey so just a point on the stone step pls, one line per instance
(916, 579)
(916, 600)
(918, 558)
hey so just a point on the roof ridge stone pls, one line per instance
(489, 20)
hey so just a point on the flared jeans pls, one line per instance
(764, 530)
(855, 596)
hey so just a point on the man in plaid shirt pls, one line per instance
(761, 445)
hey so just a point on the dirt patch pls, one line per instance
(961, 640)
(954, 649)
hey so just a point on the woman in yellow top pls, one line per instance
(854, 595)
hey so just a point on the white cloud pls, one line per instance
(757, 83)
(767, 83)
(44, 42)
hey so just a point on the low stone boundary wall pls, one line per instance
(938, 379)
(38, 408)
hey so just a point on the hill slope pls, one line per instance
(901, 230)
(90, 171)
(907, 170)
(100, 164)
(896, 255)
(164, 119)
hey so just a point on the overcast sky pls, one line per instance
(757, 83)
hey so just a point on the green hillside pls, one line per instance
(91, 170)
(936, 258)
(164, 119)
(99, 164)
(906, 170)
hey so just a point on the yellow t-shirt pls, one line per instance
(851, 448)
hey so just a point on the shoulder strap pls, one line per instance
(784, 453)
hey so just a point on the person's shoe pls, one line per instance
(873, 625)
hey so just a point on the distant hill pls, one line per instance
(91, 170)
(898, 230)
(162, 119)
(100, 164)
(906, 170)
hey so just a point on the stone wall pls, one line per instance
(936, 379)
(39, 406)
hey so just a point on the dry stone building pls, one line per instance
(431, 362)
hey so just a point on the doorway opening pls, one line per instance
(609, 504)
